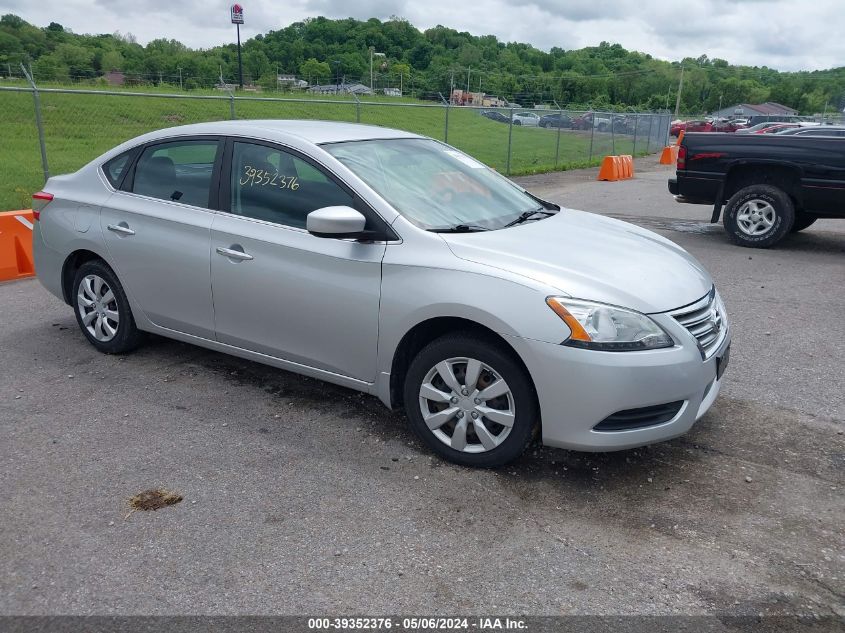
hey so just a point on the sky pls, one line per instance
(781, 34)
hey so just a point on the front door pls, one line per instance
(279, 290)
(157, 231)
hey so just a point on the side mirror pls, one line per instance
(337, 222)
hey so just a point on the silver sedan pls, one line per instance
(392, 264)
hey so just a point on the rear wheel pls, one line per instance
(759, 216)
(470, 401)
(802, 221)
(102, 309)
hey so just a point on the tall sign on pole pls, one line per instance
(238, 19)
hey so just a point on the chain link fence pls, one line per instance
(53, 130)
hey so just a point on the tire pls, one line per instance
(96, 289)
(517, 122)
(453, 415)
(802, 221)
(602, 127)
(759, 216)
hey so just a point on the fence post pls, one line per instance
(592, 134)
(231, 97)
(510, 139)
(357, 108)
(446, 128)
(557, 142)
(38, 122)
(613, 134)
(650, 124)
(636, 129)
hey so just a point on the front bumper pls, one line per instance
(579, 388)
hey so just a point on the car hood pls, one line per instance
(589, 256)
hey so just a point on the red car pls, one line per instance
(774, 129)
(689, 126)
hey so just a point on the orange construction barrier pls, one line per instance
(669, 156)
(680, 137)
(16, 245)
(616, 168)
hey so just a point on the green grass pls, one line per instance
(80, 127)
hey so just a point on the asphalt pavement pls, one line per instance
(300, 497)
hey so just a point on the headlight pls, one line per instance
(608, 328)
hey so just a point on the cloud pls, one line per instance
(753, 32)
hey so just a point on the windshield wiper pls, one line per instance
(527, 215)
(461, 228)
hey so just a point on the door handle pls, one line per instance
(233, 254)
(121, 228)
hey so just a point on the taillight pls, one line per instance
(682, 157)
(39, 201)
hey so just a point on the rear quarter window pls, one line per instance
(116, 168)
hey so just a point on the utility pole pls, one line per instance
(180, 78)
(373, 53)
(678, 98)
(451, 84)
(372, 50)
(468, 69)
(400, 84)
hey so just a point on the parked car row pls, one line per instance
(618, 123)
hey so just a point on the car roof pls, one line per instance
(316, 132)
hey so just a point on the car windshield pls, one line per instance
(434, 185)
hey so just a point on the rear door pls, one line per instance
(280, 291)
(157, 230)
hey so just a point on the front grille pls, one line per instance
(705, 321)
(639, 418)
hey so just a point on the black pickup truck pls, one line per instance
(769, 185)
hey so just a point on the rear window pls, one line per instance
(116, 167)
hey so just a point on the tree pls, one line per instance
(315, 72)
(112, 60)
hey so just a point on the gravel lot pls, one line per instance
(305, 498)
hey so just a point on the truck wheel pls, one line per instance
(759, 216)
(802, 221)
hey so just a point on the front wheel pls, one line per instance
(470, 401)
(759, 216)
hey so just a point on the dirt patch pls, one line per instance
(153, 499)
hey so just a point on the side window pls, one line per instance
(115, 168)
(179, 171)
(273, 185)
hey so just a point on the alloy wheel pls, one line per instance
(756, 217)
(467, 405)
(98, 308)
